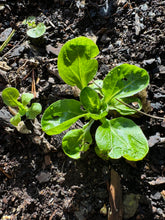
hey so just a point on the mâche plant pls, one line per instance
(34, 30)
(115, 137)
(10, 97)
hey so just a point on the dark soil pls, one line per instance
(37, 180)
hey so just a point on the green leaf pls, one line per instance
(10, 96)
(76, 141)
(34, 110)
(26, 98)
(122, 109)
(16, 119)
(60, 115)
(37, 32)
(123, 81)
(99, 116)
(75, 63)
(121, 137)
(90, 100)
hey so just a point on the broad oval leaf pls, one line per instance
(10, 96)
(34, 110)
(90, 100)
(26, 98)
(60, 115)
(123, 81)
(76, 65)
(37, 31)
(75, 142)
(123, 109)
(121, 137)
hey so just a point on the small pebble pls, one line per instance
(156, 196)
(144, 7)
(43, 177)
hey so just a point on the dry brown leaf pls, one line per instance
(115, 197)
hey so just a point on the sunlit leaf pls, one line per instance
(34, 110)
(90, 100)
(26, 98)
(37, 32)
(60, 115)
(76, 142)
(10, 96)
(16, 119)
(76, 65)
(124, 81)
(121, 137)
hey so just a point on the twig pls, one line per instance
(7, 41)
(143, 113)
(7, 175)
(13, 47)
(33, 84)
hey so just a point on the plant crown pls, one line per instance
(10, 96)
(115, 138)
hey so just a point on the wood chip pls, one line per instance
(4, 66)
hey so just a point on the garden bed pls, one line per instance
(37, 180)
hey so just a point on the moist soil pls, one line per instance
(37, 180)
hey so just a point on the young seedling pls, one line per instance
(34, 30)
(10, 98)
(116, 137)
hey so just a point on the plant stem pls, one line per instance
(143, 113)
(102, 120)
(7, 41)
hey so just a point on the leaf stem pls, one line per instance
(143, 113)
(88, 125)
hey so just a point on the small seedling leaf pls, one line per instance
(123, 81)
(16, 119)
(60, 115)
(76, 65)
(34, 110)
(121, 137)
(123, 109)
(37, 32)
(10, 96)
(75, 142)
(26, 98)
(90, 100)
